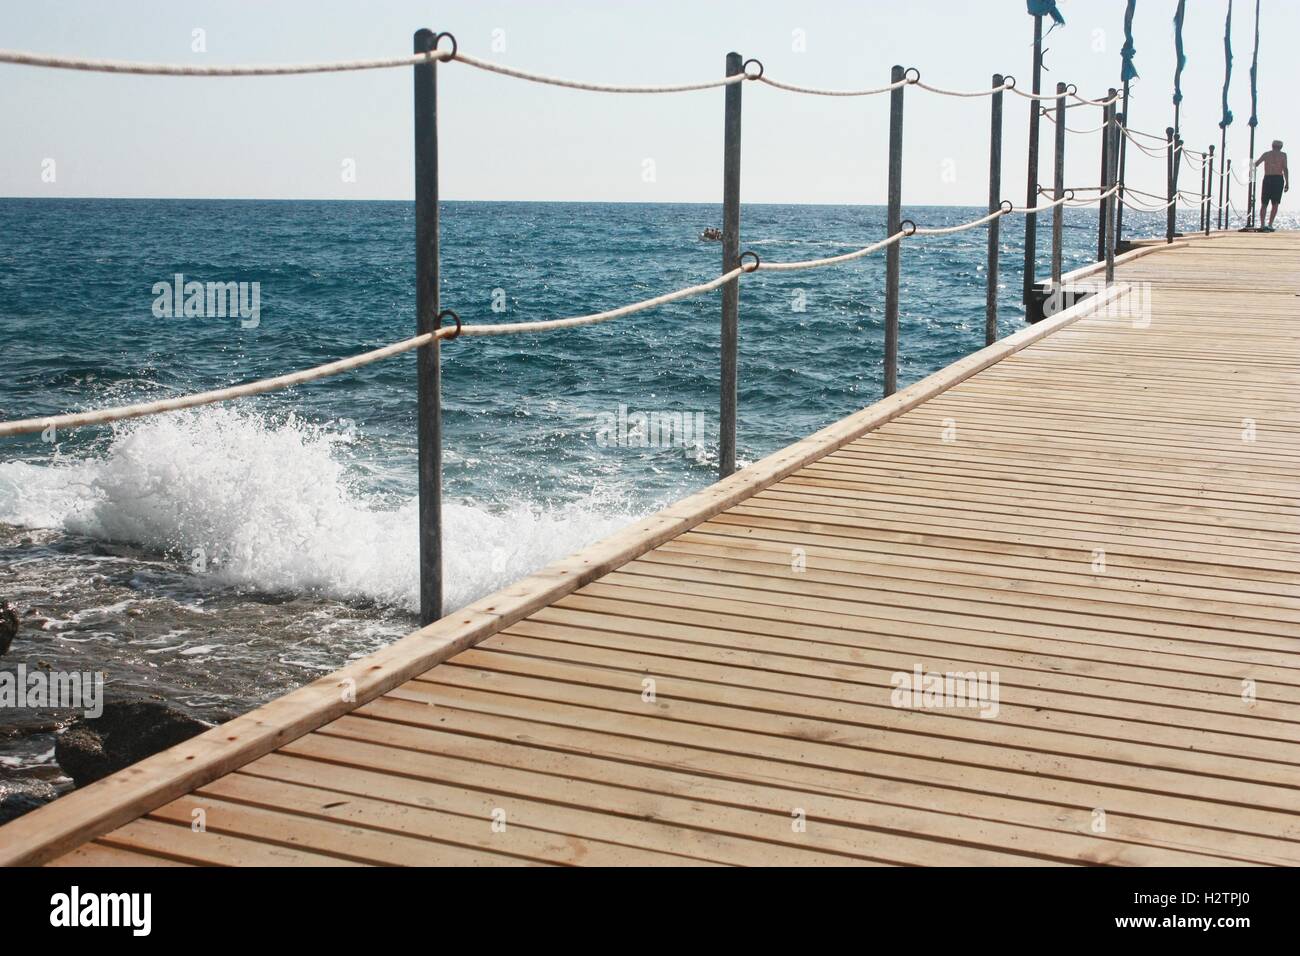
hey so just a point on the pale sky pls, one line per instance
(289, 137)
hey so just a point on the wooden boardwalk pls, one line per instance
(1103, 511)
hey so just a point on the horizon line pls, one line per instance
(607, 202)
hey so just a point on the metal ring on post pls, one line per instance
(907, 227)
(437, 322)
(455, 47)
(1008, 82)
(907, 75)
(1071, 89)
(1007, 207)
(1069, 195)
(744, 68)
(749, 252)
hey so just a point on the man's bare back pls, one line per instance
(1274, 163)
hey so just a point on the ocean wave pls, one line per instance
(270, 506)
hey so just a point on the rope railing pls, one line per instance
(1008, 84)
(119, 413)
(1005, 210)
(1155, 153)
(86, 64)
(1140, 206)
(542, 78)
(816, 91)
(52, 61)
(1082, 101)
(1047, 114)
(1152, 136)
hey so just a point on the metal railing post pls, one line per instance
(894, 221)
(1105, 167)
(1227, 196)
(1179, 152)
(1123, 163)
(1111, 181)
(1058, 189)
(1223, 171)
(1171, 185)
(1121, 147)
(995, 203)
(1031, 178)
(1209, 189)
(730, 261)
(427, 358)
(1200, 202)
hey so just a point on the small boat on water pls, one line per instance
(711, 235)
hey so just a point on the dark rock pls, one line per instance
(8, 625)
(126, 732)
(19, 796)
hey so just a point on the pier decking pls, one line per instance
(1103, 510)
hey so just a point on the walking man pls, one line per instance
(1277, 180)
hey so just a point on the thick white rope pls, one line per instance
(1141, 192)
(20, 58)
(1099, 102)
(973, 224)
(815, 91)
(1071, 129)
(1074, 96)
(281, 69)
(1155, 136)
(946, 92)
(547, 325)
(1155, 153)
(831, 260)
(1025, 210)
(593, 87)
(104, 415)
(1095, 199)
(1069, 200)
(1143, 207)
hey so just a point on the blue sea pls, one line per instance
(216, 558)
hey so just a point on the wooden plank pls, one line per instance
(100, 854)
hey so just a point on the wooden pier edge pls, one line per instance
(92, 811)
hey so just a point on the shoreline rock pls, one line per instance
(128, 731)
(8, 625)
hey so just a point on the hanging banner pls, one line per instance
(1227, 68)
(1254, 76)
(1180, 58)
(1046, 8)
(1129, 71)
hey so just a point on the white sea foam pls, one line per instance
(270, 507)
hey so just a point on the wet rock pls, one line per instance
(8, 625)
(19, 796)
(126, 732)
